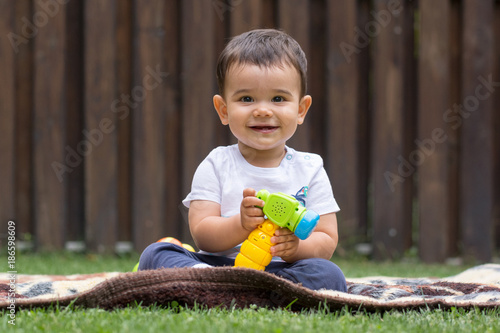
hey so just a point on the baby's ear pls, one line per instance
(304, 105)
(221, 108)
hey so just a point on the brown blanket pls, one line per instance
(240, 287)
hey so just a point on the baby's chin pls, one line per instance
(262, 147)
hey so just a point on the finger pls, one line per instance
(282, 239)
(253, 211)
(283, 232)
(252, 223)
(249, 192)
(274, 251)
(279, 249)
(252, 202)
(249, 202)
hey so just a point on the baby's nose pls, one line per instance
(262, 110)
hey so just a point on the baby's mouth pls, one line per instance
(264, 129)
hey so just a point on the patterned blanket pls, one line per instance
(240, 287)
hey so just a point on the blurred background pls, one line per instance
(106, 111)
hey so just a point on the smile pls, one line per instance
(264, 129)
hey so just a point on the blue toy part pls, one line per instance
(307, 224)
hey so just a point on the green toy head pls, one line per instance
(285, 211)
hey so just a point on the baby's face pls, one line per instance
(262, 106)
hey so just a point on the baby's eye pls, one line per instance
(278, 99)
(246, 99)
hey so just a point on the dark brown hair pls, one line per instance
(264, 48)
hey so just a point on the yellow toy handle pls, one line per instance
(255, 251)
(281, 210)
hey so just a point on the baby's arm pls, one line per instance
(321, 244)
(213, 233)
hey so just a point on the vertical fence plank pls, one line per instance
(476, 173)
(268, 15)
(199, 120)
(50, 169)
(437, 221)
(343, 118)
(364, 130)
(294, 19)
(245, 16)
(317, 80)
(124, 84)
(175, 219)
(149, 152)
(100, 138)
(496, 149)
(7, 114)
(392, 30)
(75, 224)
(453, 137)
(222, 22)
(24, 127)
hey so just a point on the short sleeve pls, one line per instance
(205, 185)
(321, 197)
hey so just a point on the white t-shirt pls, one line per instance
(224, 173)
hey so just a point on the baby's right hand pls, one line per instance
(251, 216)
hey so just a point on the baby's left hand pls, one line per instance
(286, 244)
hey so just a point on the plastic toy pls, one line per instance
(173, 241)
(281, 210)
(176, 242)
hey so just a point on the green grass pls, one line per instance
(179, 319)
(65, 263)
(155, 319)
(71, 263)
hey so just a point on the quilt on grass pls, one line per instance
(240, 287)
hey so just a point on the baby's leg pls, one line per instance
(168, 255)
(313, 273)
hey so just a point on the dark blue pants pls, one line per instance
(313, 273)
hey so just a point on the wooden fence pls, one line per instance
(106, 112)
